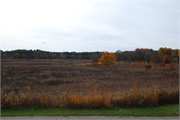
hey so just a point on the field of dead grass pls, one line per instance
(82, 84)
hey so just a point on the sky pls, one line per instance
(96, 25)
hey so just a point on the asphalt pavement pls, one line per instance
(87, 118)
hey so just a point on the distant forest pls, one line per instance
(137, 55)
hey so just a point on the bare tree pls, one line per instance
(96, 56)
(148, 56)
(118, 55)
(124, 56)
(156, 57)
(140, 54)
(131, 56)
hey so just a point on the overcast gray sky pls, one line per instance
(98, 25)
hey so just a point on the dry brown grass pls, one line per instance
(51, 83)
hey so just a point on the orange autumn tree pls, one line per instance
(107, 59)
(166, 59)
(16, 55)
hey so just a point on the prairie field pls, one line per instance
(83, 84)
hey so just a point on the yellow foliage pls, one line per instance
(107, 59)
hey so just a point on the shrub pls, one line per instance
(121, 62)
(171, 65)
(161, 65)
(96, 64)
(166, 59)
(148, 66)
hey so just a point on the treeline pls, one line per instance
(148, 55)
(138, 55)
(40, 54)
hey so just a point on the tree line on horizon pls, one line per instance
(138, 55)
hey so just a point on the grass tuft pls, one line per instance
(95, 100)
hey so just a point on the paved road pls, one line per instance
(87, 118)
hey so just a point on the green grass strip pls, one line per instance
(167, 110)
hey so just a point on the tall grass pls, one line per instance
(156, 95)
